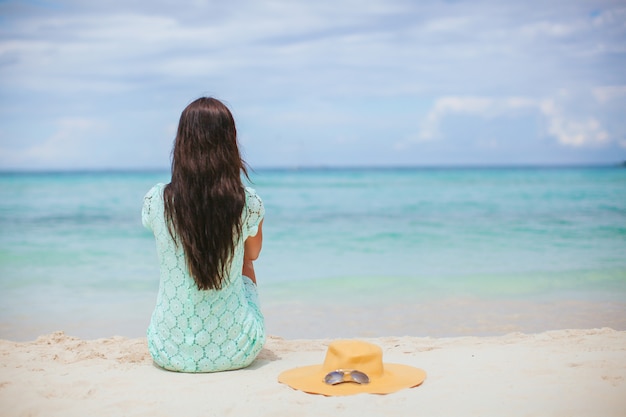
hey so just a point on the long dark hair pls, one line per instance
(206, 196)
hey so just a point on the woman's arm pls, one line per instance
(252, 249)
(253, 245)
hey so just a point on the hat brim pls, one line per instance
(311, 379)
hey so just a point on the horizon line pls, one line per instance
(325, 167)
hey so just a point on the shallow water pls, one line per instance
(478, 246)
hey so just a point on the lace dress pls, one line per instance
(203, 331)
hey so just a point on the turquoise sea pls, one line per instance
(347, 252)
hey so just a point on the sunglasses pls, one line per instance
(339, 376)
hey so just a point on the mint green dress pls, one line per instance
(203, 331)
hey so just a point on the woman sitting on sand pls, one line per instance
(207, 227)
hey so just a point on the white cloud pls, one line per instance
(485, 107)
(566, 129)
(546, 28)
(346, 62)
(572, 132)
(384, 46)
(70, 144)
(605, 94)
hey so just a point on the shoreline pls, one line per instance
(453, 316)
(561, 372)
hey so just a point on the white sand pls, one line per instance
(556, 373)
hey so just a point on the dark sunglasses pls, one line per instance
(339, 376)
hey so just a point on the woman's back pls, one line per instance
(196, 330)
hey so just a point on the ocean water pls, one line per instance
(347, 252)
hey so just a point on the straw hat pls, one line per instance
(353, 367)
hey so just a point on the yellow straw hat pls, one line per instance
(353, 367)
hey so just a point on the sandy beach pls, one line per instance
(555, 373)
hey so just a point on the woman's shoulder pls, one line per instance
(254, 206)
(154, 195)
(252, 198)
(250, 191)
(152, 202)
(156, 189)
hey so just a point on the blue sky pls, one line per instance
(100, 85)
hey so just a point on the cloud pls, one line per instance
(485, 107)
(605, 94)
(71, 144)
(325, 69)
(567, 129)
(572, 132)
(319, 48)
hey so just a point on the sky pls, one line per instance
(101, 85)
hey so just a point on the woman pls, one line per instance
(208, 230)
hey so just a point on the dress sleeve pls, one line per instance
(254, 212)
(147, 212)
